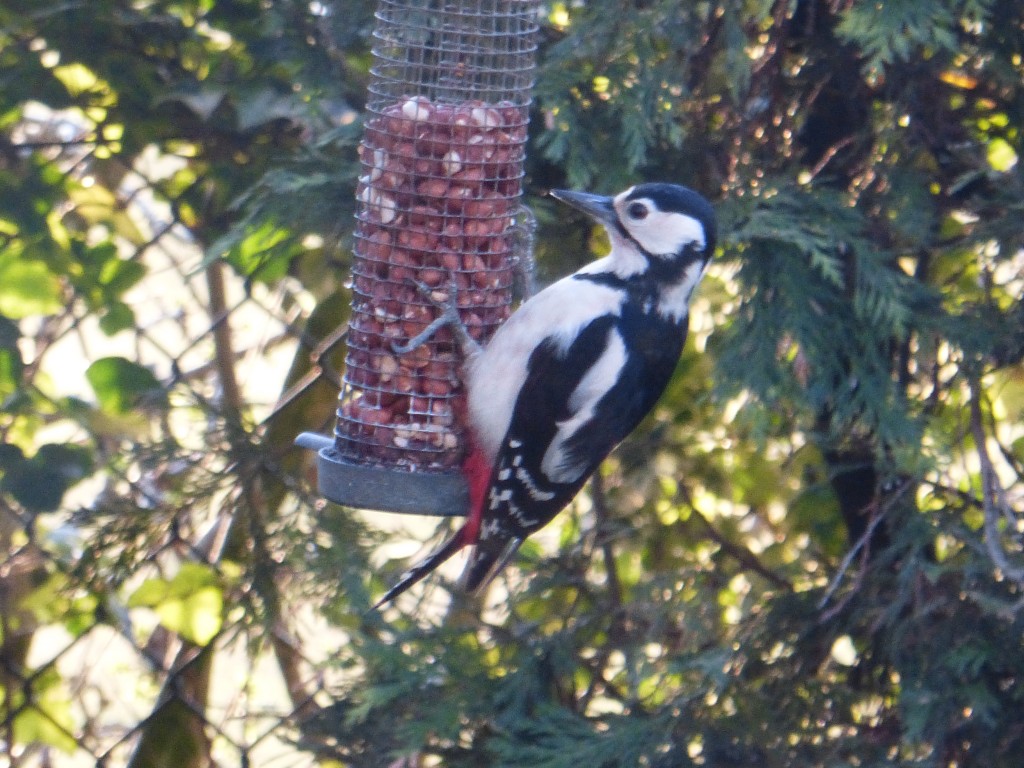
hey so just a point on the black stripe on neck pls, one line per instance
(661, 272)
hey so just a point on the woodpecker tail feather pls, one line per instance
(487, 561)
(477, 471)
(424, 567)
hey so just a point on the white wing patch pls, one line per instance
(531, 487)
(557, 464)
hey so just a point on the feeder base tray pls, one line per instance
(384, 490)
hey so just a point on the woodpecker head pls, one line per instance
(649, 223)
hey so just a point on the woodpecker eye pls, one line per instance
(637, 211)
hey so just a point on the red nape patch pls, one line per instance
(477, 471)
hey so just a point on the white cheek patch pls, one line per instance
(666, 234)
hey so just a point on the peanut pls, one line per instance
(437, 189)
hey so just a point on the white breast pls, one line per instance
(496, 375)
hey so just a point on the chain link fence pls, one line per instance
(145, 618)
(172, 589)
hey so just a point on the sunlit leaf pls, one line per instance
(27, 288)
(815, 510)
(264, 253)
(1001, 155)
(121, 385)
(11, 364)
(47, 718)
(191, 603)
(76, 77)
(56, 600)
(197, 618)
(95, 203)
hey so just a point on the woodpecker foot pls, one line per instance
(448, 315)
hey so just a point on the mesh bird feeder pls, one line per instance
(438, 202)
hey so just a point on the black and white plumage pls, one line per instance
(574, 370)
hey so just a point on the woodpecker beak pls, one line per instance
(596, 206)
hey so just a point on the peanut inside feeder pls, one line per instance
(438, 192)
(437, 202)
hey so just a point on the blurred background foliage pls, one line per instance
(810, 555)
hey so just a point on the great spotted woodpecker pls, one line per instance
(573, 371)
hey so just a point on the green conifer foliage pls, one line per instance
(810, 554)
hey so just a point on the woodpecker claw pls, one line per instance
(448, 316)
(420, 338)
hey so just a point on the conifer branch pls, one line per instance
(742, 555)
(863, 546)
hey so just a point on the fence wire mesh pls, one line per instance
(146, 615)
(156, 522)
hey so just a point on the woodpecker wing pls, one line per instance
(576, 404)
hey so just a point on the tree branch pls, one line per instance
(743, 556)
(863, 546)
(231, 394)
(994, 501)
(600, 502)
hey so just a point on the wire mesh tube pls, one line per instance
(438, 200)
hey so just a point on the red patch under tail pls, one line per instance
(477, 471)
(476, 468)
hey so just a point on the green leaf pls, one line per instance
(11, 364)
(191, 603)
(47, 719)
(27, 287)
(39, 483)
(121, 385)
(37, 489)
(815, 511)
(118, 275)
(117, 317)
(71, 462)
(10, 456)
(56, 601)
(77, 78)
(1017, 447)
(263, 253)
(1001, 155)
(197, 618)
